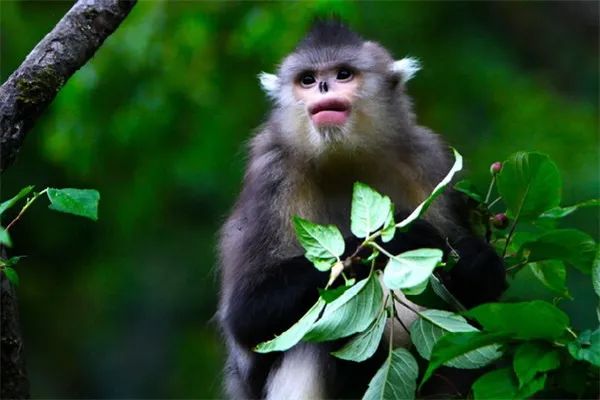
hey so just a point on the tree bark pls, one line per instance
(15, 384)
(33, 86)
(23, 98)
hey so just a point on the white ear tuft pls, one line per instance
(406, 68)
(269, 83)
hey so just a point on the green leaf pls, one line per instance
(587, 347)
(350, 313)
(533, 357)
(323, 264)
(434, 324)
(456, 344)
(11, 261)
(561, 212)
(531, 387)
(5, 237)
(323, 243)
(11, 202)
(529, 184)
(569, 245)
(437, 191)
(552, 274)
(411, 268)
(370, 210)
(364, 345)
(417, 289)
(329, 295)
(497, 384)
(517, 319)
(596, 272)
(292, 336)
(81, 202)
(12, 275)
(396, 379)
(502, 384)
(440, 290)
(389, 227)
(467, 187)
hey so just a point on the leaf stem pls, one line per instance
(25, 207)
(572, 332)
(493, 203)
(514, 225)
(397, 317)
(517, 265)
(404, 303)
(489, 192)
(381, 249)
(510, 234)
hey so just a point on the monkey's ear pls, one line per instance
(269, 83)
(406, 68)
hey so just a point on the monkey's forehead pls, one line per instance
(368, 57)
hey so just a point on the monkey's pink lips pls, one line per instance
(330, 112)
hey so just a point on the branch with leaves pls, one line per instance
(23, 98)
(530, 343)
(80, 202)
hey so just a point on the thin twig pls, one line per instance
(493, 203)
(381, 249)
(489, 192)
(520, 264)
(404, 303)
(510, 234)
(396, 316)
(514, 225)
(25, 207)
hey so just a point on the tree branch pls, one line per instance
(33, 86)
(23, 98)
(15, 384)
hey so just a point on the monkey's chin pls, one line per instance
(332, 134)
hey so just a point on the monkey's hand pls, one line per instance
(420, 234)
(479, 275)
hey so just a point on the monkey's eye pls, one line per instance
(307, 79)
(344, 74)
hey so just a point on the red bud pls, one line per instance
(499, 221)
(495, 168)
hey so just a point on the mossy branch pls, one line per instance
(33, 86)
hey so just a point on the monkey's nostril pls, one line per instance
(323, 87)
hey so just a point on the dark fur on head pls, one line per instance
(330, 32)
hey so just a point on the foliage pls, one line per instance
(536, 335)
(157, 122)
(80, 202)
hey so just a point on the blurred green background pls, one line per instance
(157, 121)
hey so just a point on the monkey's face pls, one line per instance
(328, 95)
(333, 95)
(328, 106)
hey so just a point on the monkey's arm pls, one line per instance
(269, 302)
(266, 303)
(479, 275)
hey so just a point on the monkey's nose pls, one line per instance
(323, 87)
